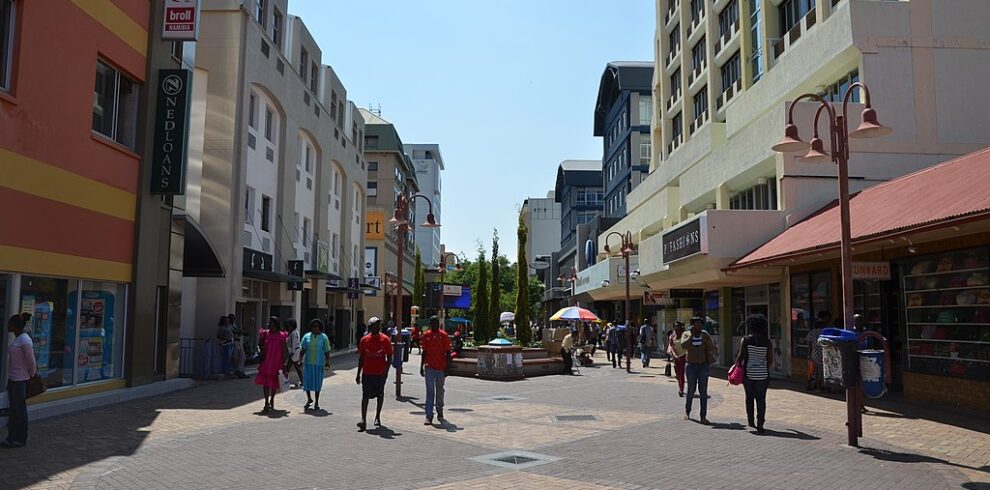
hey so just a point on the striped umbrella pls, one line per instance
(574, 313)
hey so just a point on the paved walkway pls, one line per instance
(214, 436)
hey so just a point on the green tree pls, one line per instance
(495, 303)
(523, 331)
(481, 301)
(419, 283)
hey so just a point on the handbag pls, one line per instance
(35, 386)
(283, 382)
(666, 370)
(736, 374)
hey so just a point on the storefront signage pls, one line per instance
(374, 225)
(370, 261)
(657, 298)
(181, 21)
(452, 290)
(686, 240)
(687, 293)
(296, 270)
(353, 284)
(871, 271)
(168, 164)
(257, 261)
(323, 256)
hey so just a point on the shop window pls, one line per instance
(811, 294)
(115, 105)
(947, 311)
(6, 43)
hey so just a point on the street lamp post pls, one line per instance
(627, 249)
(445, 259)
(572, 279)
(400, 219)
(839, 154)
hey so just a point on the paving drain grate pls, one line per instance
(575, 418)
(515, 459)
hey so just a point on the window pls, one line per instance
(677, 126)
(303, 64)
(675, 82)
(269, 124)
(836, 91)
(762, 196)
(314, 77)
(340, 113)
(6, 42)
(276, 27)
(333, 245)
(584, 217)
(730, 72)
(372, 189)
(333, 105)
(370, 141)
(373, 166)
(176, 49)
(674, 38)
(701, 103)
(727, 17)
(645, 110)
(305, 232)
(266, 213)
(115, 105)
(791, 13)
(756, 57)
(645, 149)
(259, 13)
(698, 55)
(697, 9)
(249, 206)
(253, 111)
(309, 159)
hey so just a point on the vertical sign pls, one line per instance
(168, 163)
(296, 270)
(374, 225)
(181, 20)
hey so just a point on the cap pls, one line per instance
(697, 319)
(678, 324)
(457, 334)
(374, 320)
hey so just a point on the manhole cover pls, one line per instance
(575, 418)
(516, 460)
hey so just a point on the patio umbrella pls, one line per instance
(574, 313)
(506, 317)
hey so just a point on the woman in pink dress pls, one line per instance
(272, 340)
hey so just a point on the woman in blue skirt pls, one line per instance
(316, 357)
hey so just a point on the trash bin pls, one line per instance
(871, 368)
(399, 349)
(406, 336)
(840, 362)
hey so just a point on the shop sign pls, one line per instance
(686, 240)
(657, 298)
(374, 225)
(181, 21)
(871, 271)
(687, 293)
(296, 270)
(168, 162)
(323, 256)
(452, 290)
(370, 261)
(257, 261)
(353, 284)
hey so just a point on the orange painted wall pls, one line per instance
(47, 118)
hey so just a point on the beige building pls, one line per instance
(282, 176)
(724, 73)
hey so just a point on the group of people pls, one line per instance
(282, 349)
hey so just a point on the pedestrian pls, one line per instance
(458, 344)
(629, 344)
(756, 356)
(225, 337)
(612, 343)
(240, 353)
(415, 339)
(566, 351)
(22, 368)
(315, 348)
(816, 376)
(646, 337)
(374, 357)
(679, 354)
(701, 353)
(275, 358)
(434, 365)
(294, 342)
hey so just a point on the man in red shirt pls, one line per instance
(375, 356)
(433, 365)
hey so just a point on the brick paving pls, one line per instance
(212, 436)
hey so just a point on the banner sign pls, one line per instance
(257, 261)
(657, 298)
(181, 21)
(871, 271)
(687, 293)
(686, 240)
(370, 261)
(452, 290)
(374, 225)
(168, 164)
(296, 270)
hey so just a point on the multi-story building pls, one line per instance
(428, 163)
(542, 218)
(282, 177)
(579, 193)
(724, 73)
(390, 174)
(623, 113)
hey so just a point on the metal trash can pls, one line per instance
(397, 356)
(872, 369)
(840, 361)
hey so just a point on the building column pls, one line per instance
(722, 196)
(725, 326)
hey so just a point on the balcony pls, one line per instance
(674, 98)
(672, 14)
(696, 29)
(699, 121)
(727, 40)
(780, 46)
(718, 5)
(729, 94)
(697, 75)
(671, 57)
(674, 143)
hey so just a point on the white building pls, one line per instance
(428, 164)
(542, 218)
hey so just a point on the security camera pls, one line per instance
(605, 283)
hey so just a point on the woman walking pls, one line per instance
(315, 349)
(701, 354)
(756, 355)
(22, 369)
(225, 337)
(275, 358)
(293, 342)
(678, 354)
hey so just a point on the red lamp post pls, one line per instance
(628, 247)
(839, 135)
(446, 258)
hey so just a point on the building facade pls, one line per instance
(428, 164)
(623, 114)
(390, 174)
(542, 218)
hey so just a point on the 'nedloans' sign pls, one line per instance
(168, 165)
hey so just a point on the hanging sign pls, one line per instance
(686, 240)
(871, 271)
(168, 162)
(181, 21)
(296, 270)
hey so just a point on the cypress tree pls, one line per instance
(495, 303)
(523, 331)
(419, 285)
(481, 301)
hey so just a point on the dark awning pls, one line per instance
(272, 276)
(322, 275)
(199, 255)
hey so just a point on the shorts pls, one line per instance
(372, 386)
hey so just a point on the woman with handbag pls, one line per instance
(274, 362)
(22, 369)
(756, 356)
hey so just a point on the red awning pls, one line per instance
(953, 190)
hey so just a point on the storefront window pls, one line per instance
(947, 298)
(47, 301)
(100, 341)
(811, 293)
(738, 312)
(711, 312)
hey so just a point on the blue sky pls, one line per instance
(506, 88)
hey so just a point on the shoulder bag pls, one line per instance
(35, 386)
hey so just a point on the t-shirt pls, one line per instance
(225, 333)
(646, 335)
(294, 346)
(436, 345)
(756, 357)
(316, 348)
(375, 349)
(22, 363)
(568, 343)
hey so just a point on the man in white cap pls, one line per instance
(375, 356)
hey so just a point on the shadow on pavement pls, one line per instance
(899, 457)
(276, 413)
(726, 425)
(383, 432)
(448, 426)
(317, 413)
(788, 434)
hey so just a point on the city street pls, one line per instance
(213, 436)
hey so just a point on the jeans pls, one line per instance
(434, 391)
(226, 352)
(756, 391)
(568, 361)
(17, 421)
(645, 356)
(697, 378)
